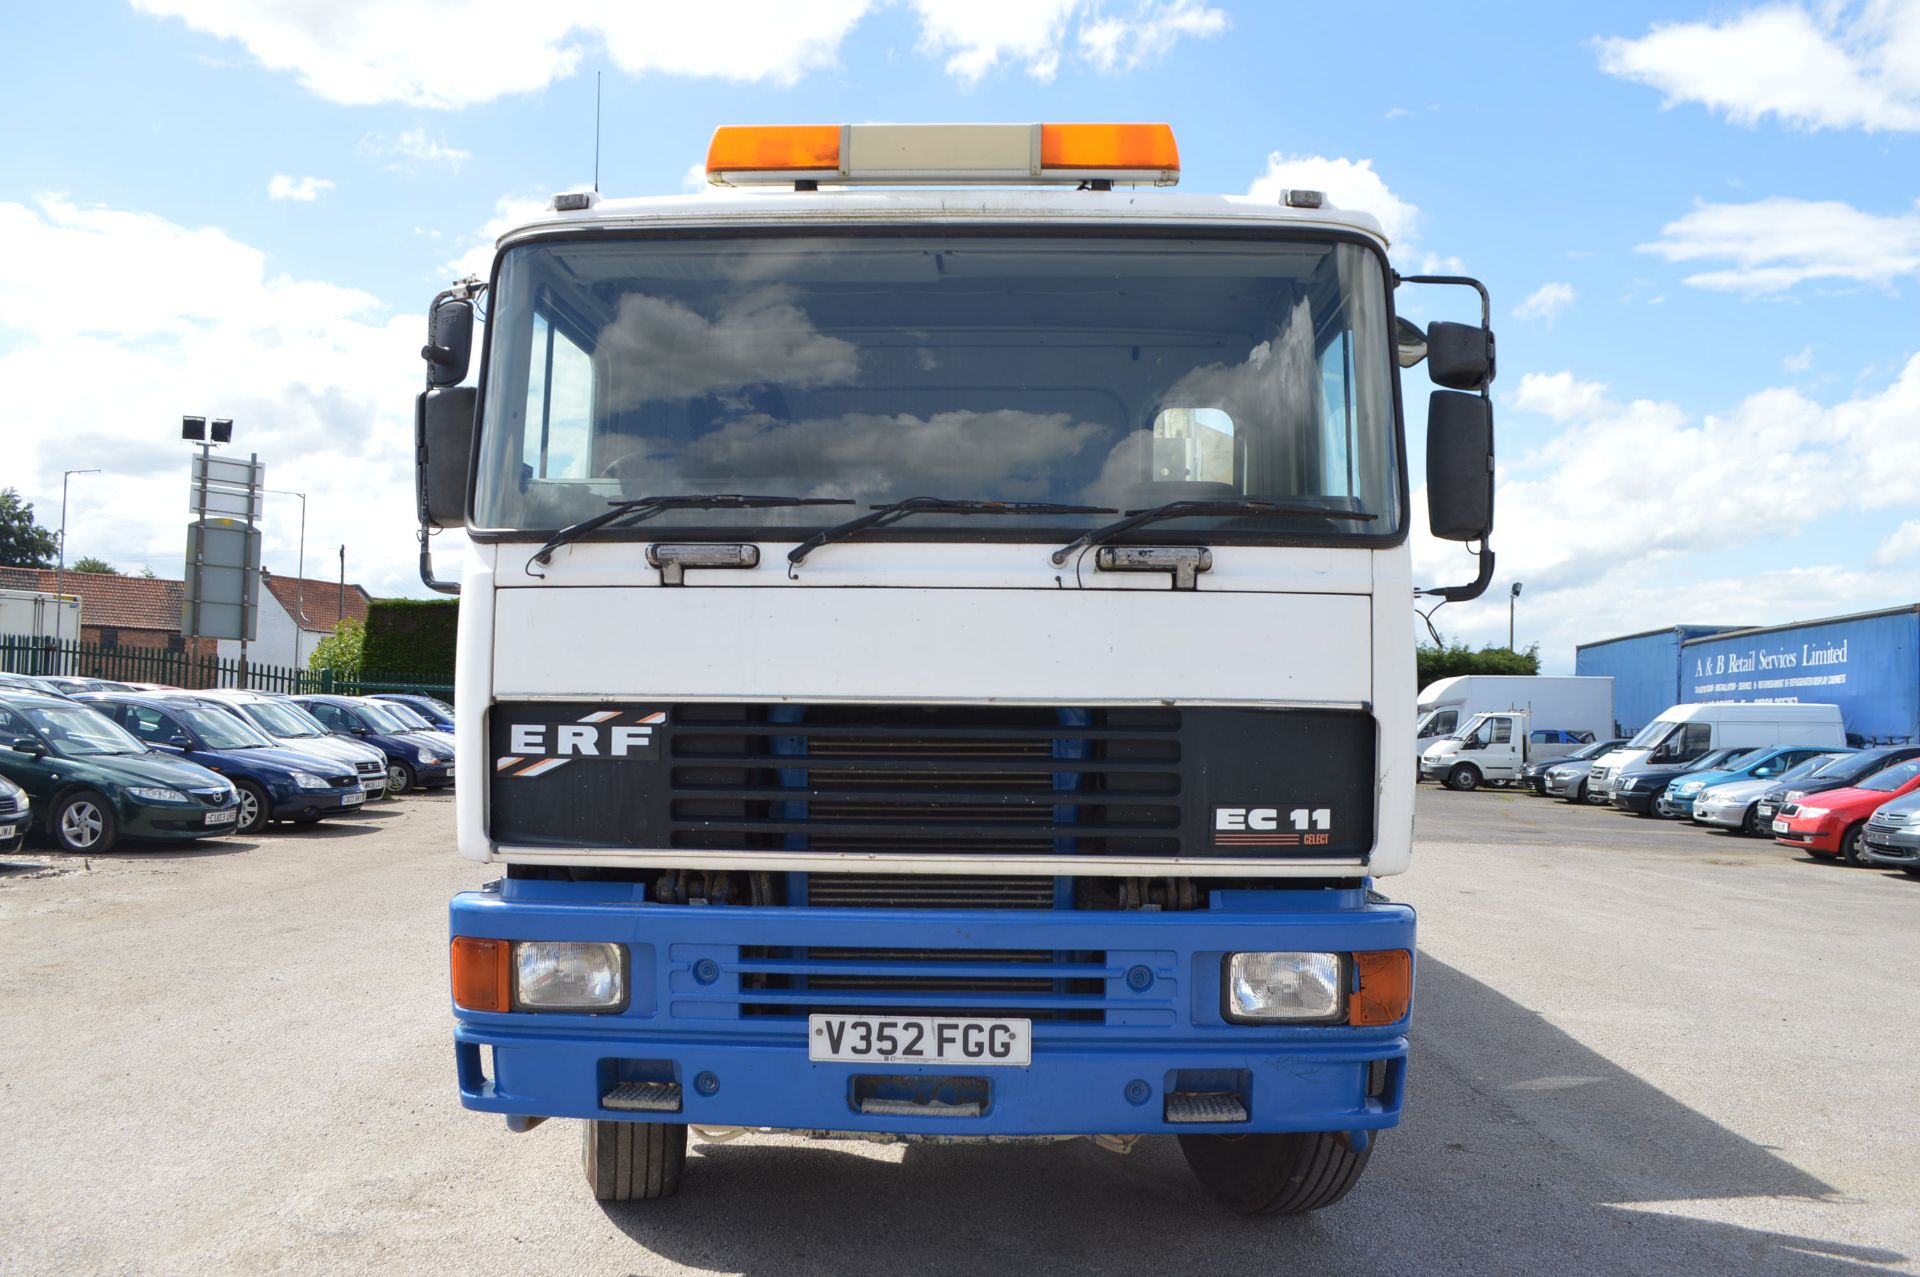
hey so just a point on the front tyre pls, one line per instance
(1288, 1173)
(1464, 777)
(399, 778)
(633, 1161)
(1853, 846)
(256, 809)
(84, 822)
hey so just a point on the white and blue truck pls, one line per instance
(936, 612)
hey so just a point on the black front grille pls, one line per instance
(10, 806)
(980, 780)
(929, 891)
(211, 797)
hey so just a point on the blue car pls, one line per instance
(437, 712)
(412, 759)
(274, 783)
(1763, 764)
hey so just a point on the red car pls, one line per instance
(1830, 824)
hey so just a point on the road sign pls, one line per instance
(221, 598)
(229, 470)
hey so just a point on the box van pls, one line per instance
(1687, 732)
(1574, 703)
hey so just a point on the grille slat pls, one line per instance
(1033, 983)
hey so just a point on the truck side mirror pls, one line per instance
(449, 348)
(1459, 356)
(1459, 464)
(443, 448)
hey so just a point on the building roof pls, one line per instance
(117, 602)
(321, 599)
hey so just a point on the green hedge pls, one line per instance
(1436, 663)
(412, 634)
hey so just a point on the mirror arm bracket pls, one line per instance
(1461, 593)
(427, 578)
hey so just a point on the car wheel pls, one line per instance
(399, 778)
(84, 822)
(1464, 777)
(256, 809)
(1853, 844)
(1579, 795)
(1277, 1174)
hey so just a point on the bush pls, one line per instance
(342, 651)
(1435, 663)
(412, 636)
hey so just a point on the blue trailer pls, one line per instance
(1868, 664)
(1645, 669)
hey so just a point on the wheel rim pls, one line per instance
(249, 809)
(396, 777)
(81, 824)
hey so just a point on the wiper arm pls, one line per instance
(881, 515)
(640, 509)
(1183, 509)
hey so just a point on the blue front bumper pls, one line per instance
(1134, 1014)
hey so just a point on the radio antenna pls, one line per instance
(596, 132)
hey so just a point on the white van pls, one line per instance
(1575, 703)
(1685, 732)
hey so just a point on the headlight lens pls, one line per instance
(1284, 986)
(1630, 782)
(1692, 787)
(568, 975)
(155, 794)
(1813, 813)
(307, 780)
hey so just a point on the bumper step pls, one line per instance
(1205, 1106)
(643, 1097)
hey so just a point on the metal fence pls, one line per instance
(28, 654)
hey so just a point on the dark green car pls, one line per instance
(92, 783)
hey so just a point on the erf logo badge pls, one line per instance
(539, 748)
(1272, 826)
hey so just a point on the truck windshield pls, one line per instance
(1653, 734)
(1084, 369)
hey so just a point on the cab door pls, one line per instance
(1500, 759)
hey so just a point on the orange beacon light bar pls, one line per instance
(943, 154)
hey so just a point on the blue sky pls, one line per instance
(1707, 409)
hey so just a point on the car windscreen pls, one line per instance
(218, 729)
(379, 720)
(282, 720)
(1085, 368)
(1892, 778)
(409, 717)
(1811, 767)
(78, 732)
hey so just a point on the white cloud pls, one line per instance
(304, 190)
(1800, 362)
(1558, 395)
(1545, 302)
(413, 150)
(1777, 243)
(318, 379)
(447, 54)
(1842, 67)
(1901, 546)
(1348, 184)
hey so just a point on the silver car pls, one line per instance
(1892, 835)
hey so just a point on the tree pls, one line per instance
(23, 543)
(1435, 663)
(91, 564)
(343, 651)
(149, 574)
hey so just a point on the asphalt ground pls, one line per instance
(1638, 1048)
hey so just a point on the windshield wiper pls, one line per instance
(881, 515)
(1185, 509)
(640, 509)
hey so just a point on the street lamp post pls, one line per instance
(60, 574)
(1510, 601)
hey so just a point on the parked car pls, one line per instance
(16, 813)
(1534, 775)
(1833, 824)
(295, 729)
(274, 783)
(1636, 787)
(68, 686)
(1734, 804)
(1841, 774)
(28, 683)
(412, 759)
(91, 783)
(1762, 764)
(414, 721)
(431, 708)
(1892, 837)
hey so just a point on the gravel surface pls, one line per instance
(1639, 1047)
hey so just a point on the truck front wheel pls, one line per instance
(1464, 777)
(1281, 1174)
(634, 1161)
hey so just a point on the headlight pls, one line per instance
(567, 975)
(1691, 787)
(1792, 794)
(1813, 813)
(1284, 986)
(432, 760)
(1631, 782)
(307, 780)
(154, 794)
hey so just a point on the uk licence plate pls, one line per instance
(8, 831)
(874, 1039)
(352, 800)
(1779, 826)
(223, 817)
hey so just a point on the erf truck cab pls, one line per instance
(1494, 747)
(936, 616)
